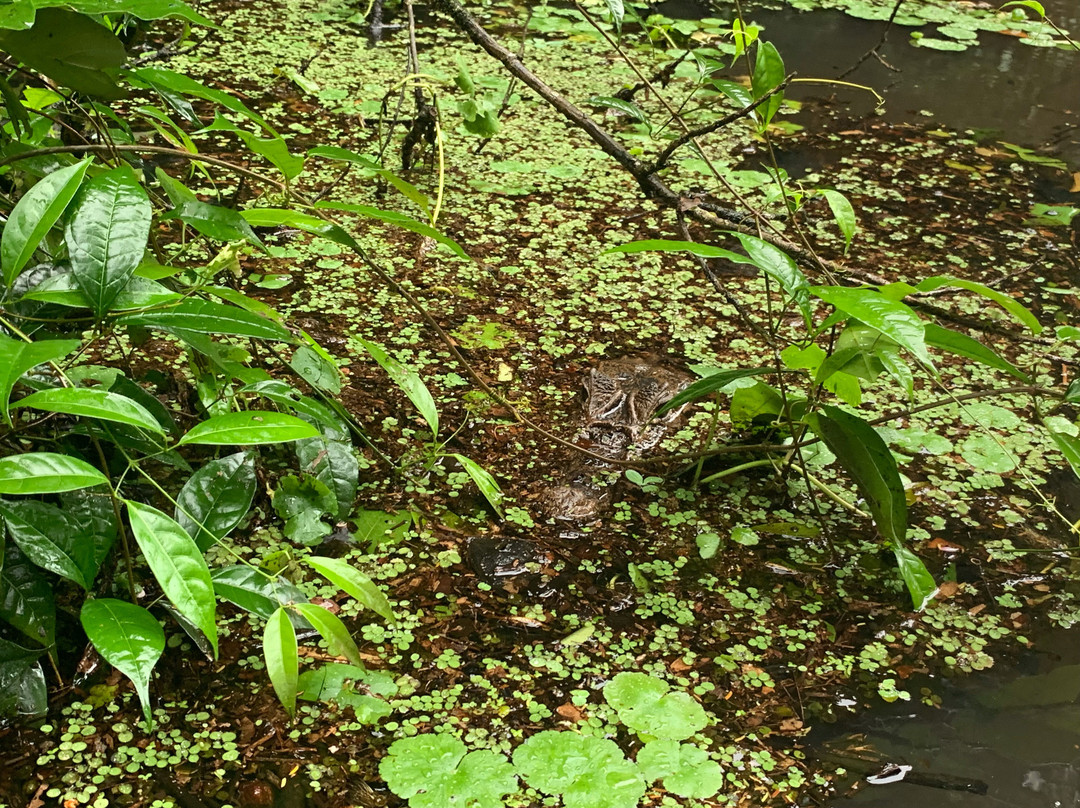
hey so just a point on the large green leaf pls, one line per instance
(409, 381)
(334, 463)
(282, 658)
(1011, 305)
(667, 245)
(169, 81)
(354, 583)
(867, 460)
(398, 220)
(17, 357)
(255, 591)
(1069, 446)
(208, 317)
(106, 235)
(143, 9)
(962, 345)
(288, 396)
(128, 637)
(26, 597)
(920, 583)
(710, 384)
(891, 317)
(331, 628)
(843, 213)
(216, 498)
(75, 51)
(280, 217)
(768, 73)
(484, 481)
(248, 429)
(779, 266)
(46, 473)
(35, 214)
(94, 527)
(214, 222)
(45, 534)
(178, 565)
(62, 289)
(93, 403)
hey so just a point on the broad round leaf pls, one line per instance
(128, 637)
(249, 429)
(46, 473)
(648, 705)
(354, 582)
(282, 658)
(216, 498)
(178, 565)
(93, 403)
(589, 772)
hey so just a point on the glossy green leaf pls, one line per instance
(345, 155)
(128, 637)
(44, 533)
(615, 7)
(106, 235)
(891, 317)
(62, 289)
(34, 215)
(1010, 304)
(214, 222)
(248, 428)
(161, 78)
(843, 214)
(208, 317)
(216, 498)
(916, 576)
(46, 473)
(1032, 4)
(332, 630)
(409, 381)
(354, 583)
(143, 9)
(868, 462)
(779, 266)
(627, 108)
(26, 597)
(1069, 446)
(17, 15)
(288, 396)
(316, 370)
(278, 217)
(710, 384)
(398, 220)
(768, 73)
(484, 481)
(954, 342)
(588, 772)
(74, 50)
(17, 357)
(667, 245)
(178, 565)
(255, 591)
(93, 403)
(282, 658)
(333, 463)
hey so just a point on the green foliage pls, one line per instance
(648, 706)
(434, 771)
(587, 772)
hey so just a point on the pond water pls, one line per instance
(1028, 95)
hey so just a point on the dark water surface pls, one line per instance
(1029, 95)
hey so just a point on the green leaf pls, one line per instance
(768, 73)
(17, 15)
(1032, 4)
(44, 533)
(409, 381)
(34, 215)
(128, 637)
(316, 370)
(1069, 446)
(335, 465)
(46, 473)
(26, 597)
(667, 245)
(302, 503)
(214, 221)
(588, 772)
(248, 428)
(178, 565)
(345, 155)
(106, 235)
(710, 384)
(216, 498)
(93, 403)
(17, 357)
(282, 658)
(868, 462)
(288, 396)
(631, 110)
(398, 220)
(779, 266)
(615, 7)
(920, 582)
(255, 591)
(434, 771)
(843, 215)
(208, 317)
(1016, 309)
(278, 217)
(484, 481)
(159, 78)
(648, 706)
(891, 317)
(77, 52)
(954, 342)
(354, 583)
(685, 768)
(62, 289)
(332, 630)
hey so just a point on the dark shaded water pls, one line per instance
(1029, 95)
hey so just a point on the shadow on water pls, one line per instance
(1029, 95)
(1016, 730)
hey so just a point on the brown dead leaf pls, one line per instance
(570, 712)
(678, 666)
(1076, 183)
(790, 725)
(948, 589)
